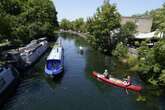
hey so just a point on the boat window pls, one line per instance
(51, 64)
(2, 82)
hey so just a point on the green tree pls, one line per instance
(24, 20)
(151, 63)
(102, 25)
(127, 31)
(8, 10)
(158, 19)
(78, 24)
(121, 51)
(160, 53)
(5, 26)
(66, 24)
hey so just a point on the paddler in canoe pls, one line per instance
(126, 82)
(107, 74)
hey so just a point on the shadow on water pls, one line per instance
(55, 81)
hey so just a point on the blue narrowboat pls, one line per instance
(55, 61)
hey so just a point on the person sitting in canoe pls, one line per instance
(127, 81)
(106, 74)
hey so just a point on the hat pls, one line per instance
(106, 70)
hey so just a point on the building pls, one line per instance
(144, 24)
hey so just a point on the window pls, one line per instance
(52, 64)
(2, 83)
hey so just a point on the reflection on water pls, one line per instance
(76, 89)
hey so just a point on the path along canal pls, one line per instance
(77, 89)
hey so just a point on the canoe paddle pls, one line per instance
(126, 91)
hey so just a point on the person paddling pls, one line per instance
(127, 82)
(106, 73)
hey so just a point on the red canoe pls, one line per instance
(117, 82)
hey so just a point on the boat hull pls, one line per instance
(8, 92)
(10, 88)
(26, 56)
(53, 73)
(55, 61)
(30, 59)
(117, 82)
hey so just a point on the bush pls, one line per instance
(160, 53)
(162, 78)
(152, 65)
(120, 51)
(24, 20)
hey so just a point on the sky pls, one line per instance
(72, 9)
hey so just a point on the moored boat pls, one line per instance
(55, 61)
(25, 56)
(117, 82)
(8, 81)
(33, 51)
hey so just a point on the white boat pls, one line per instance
(8, 81)
(26, 56)
(33, 51)
(81, 48)
(55, 61)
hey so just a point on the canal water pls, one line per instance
(76, 89)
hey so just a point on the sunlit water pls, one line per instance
(77, 89)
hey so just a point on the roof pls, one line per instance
(138, 17)
(56, 53)
(149, 35)
(33, 45)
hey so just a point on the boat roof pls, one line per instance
(56, 53)
(29, 47)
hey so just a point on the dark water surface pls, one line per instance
(77, 89)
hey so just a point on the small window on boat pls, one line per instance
(51, 64)
(2, 82)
